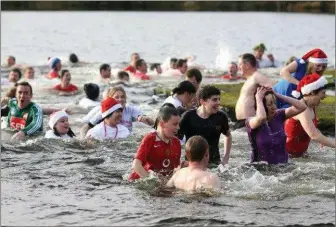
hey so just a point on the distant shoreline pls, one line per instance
(321, 7)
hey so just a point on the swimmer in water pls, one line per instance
(59, 126)
(160, 150)
(109, 127)
(141, 70)
(56, 66)
(92, 94)
(195, 176)
(132, 67)
(65, 87)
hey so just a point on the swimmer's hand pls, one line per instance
(18, 136)
(67, 110)
(222, 168)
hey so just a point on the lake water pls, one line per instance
(48, 182)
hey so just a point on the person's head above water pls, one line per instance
(197, 150)
(105, 71)
(15, 75)
(111, 111)
(167, 121)
(24, 94)
(65, 77)
(73, 58)
(182, 65)
(173, 63)
(123, 76)
(259, 50)
(10, 61)
(92, 91)
(209, 99)
(55, 63)
(232, 69)
(195, 77)
(141, 66)
(156, 67)
(247, 64)
(59, 123)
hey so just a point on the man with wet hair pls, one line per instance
(195, 77)
(157, 68)
(232, 72)
(182, 66)
(141, 70)
(195, 176)
(10, 61)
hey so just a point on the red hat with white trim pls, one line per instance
(109, 105)
(316, 56)
(308, 84)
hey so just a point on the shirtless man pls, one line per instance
(195, 176)
(245, 105)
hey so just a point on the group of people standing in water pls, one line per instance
(279, 116)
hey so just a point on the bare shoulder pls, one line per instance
(212, 180)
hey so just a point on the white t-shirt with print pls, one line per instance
(103, 131)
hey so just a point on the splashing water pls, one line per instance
(223, 57)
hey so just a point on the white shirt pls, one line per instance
(264, 63)
(130, 114)
(173, 100)
(51, 135)
(103, 131)
(88, 103)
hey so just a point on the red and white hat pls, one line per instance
(308, 84)
(316, 56)
(109, 105)
(54, 117)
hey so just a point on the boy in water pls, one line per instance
(195, 176)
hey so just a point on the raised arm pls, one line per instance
(313, 132)
(260, 117)
(139, 169)
(296, 108)
(286, 73)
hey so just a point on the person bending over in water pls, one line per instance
(65, 87)
(208, 121)
(245, 105)
(160, 150)
(266, 130)
(195, 176)
(59, 126)
(182, 95)
(92, 94)
(315, 61)
(109, 127)
(303, 127)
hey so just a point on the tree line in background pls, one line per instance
(272, 6)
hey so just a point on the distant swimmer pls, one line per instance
(182, 66)
(56, 66)
(156, 68)
(10, 61)
(59, 126)
(91, 91)
(195, 176)
(266, 129)
(109, 127)
(274, 63)
(28, 73)
(160, 151)
(302, 128)
(24, 116)
(73, 58)
(232, 73)
(315, 61)
(259, 51)
(65, 87)
(141, 70)
(14, 76)
(132, 67)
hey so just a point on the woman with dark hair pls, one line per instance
(182, 95)
(59, 126)
(266, 129)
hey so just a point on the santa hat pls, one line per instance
(53, 61)
(109, 105)
(54, 117)
(316, 56)
(308, 84)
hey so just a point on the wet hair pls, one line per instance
(154, 66)
(25, 83)
(207, 91)
(196, 148)
(112, 90)
(234, 63)
(91, 90)
(263, 100)
(260, 46)
(104, 67)
(73, 58)
(184, 86)
(11, 92)
(109, 115)
(194, 73)
(63, 72)
(69, 133)
(138, 63)
(173, 60)
(249, 58)
(315, 92)
(12, 57)
(165, 114)
(180, 63)
(18, 71)
(290, 60)
(122, 75)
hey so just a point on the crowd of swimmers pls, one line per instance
(279, 115)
